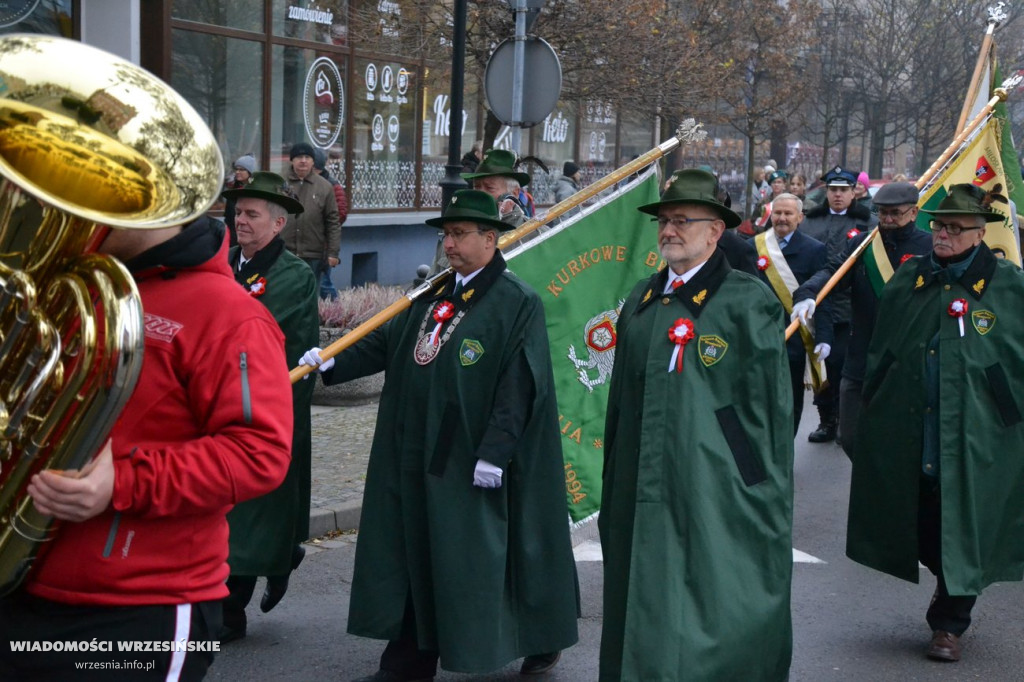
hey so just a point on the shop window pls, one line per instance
(321, 21)
(308, 104)
(222, 78)
(51, 18)
(242, 14)
(436, 115)
(554, 144)
(597, 141)
(383, 134)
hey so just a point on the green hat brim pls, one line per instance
(989, 216)
(522, 178)
(291, 205)
(470, 216)
(731, 219)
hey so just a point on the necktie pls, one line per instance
(458, 290)
(676, 284)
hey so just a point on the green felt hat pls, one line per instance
(473, 206)
(498, 162)
(694, 186)
(965, 199)
(269, 186)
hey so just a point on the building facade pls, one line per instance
(347, 77)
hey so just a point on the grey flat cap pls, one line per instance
(896, 194)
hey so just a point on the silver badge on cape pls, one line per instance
(424, 351)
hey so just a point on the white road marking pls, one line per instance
(591, 551)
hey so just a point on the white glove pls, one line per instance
(486, 475)
(803, 310)
(822, 351)
(312, 358)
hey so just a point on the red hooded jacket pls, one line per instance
(209, 425)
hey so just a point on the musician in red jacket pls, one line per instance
(140, 559)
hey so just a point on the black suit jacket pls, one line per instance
(805, 257)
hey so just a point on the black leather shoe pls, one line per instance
(945, 646)
(277, 585)
(388, 676)
(823, 434)
(539, 663)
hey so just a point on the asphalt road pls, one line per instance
(850, 623)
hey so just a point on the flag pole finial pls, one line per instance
(689, 131)
(997, 15)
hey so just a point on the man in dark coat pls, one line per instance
(937, 470)
(464, 549)
(696, 514)
(785, 258)
(835, 223)
(266, 531)
(898, 240)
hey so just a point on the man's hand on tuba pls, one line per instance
(75, 495)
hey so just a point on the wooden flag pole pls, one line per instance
(1000, 94)
(688, 131)
(996, 16)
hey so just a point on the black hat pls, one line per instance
(965, 199)
(896, 194)
(319, 159)
(570, 169)
(473, 206)
(302, 149)
(839, 177)
(269, 186)
(693, 186)
(498, 162)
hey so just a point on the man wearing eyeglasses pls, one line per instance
(785, 257)
(898, 240)
(937, 470)
(835, 223)
(696, 510)
(464, 551)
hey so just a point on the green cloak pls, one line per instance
(981, 436)
(490, 572)
(696, 516)
(265, 530)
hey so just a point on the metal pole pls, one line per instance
(518, 67)
(452, 180)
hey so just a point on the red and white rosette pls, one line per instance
(259, 287)
(763, 263)
(958, 308)
(852, 233)
(679, 333)
(905, 257)
(442, 313)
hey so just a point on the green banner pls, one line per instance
(583, 270)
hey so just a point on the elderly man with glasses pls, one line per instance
(464, 550)
(696, 511)
(898, 240)
(937, 469)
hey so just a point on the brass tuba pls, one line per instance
(87, 140)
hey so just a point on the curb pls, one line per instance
(344, 517)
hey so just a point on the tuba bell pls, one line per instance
(87, 141)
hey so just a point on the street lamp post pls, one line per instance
(452, 180)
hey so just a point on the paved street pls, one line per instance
(850, 623)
